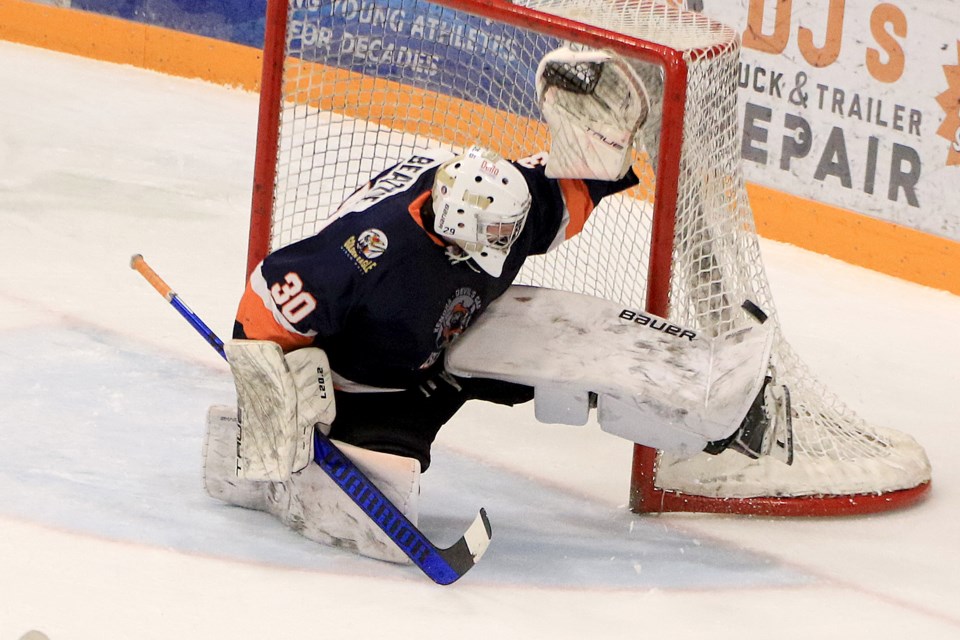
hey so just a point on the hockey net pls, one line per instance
(352, 86)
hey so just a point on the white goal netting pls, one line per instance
(367, 81)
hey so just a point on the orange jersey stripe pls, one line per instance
(579, 204)
(415, 208)
(259, 322)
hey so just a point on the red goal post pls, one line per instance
(349, 86)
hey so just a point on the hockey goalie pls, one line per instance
(378, 329)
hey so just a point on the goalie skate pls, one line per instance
(767, 429)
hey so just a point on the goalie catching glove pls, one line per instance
(594, 103)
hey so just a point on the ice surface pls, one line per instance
(105, 531)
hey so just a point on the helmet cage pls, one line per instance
(499, 231)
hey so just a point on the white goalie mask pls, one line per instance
(480, 202)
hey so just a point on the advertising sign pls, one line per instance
(855, 103)
(420, 44)
(239, 21)
(383, 37)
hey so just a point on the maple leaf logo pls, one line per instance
(950, 101)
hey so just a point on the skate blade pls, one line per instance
(781, 432)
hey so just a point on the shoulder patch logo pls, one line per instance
(372, 243)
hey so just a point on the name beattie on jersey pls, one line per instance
(399, 178)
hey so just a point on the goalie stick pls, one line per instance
(138, 264)
(443, 566)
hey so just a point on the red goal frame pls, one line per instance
(645, 496)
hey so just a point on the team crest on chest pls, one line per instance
(372, 243)
(363, 249)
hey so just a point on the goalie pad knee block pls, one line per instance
(594, 103)
(557, 404)
(281, 398)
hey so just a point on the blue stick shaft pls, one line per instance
(137, 263)
(198, 324)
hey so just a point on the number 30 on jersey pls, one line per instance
(294, 303)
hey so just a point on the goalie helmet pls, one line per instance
(480, 202)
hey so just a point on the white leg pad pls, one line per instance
(309, 502)
(657, 383)
(313, 381)
(650, 424)
(313, 505)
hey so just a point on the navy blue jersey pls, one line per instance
(380, 292)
